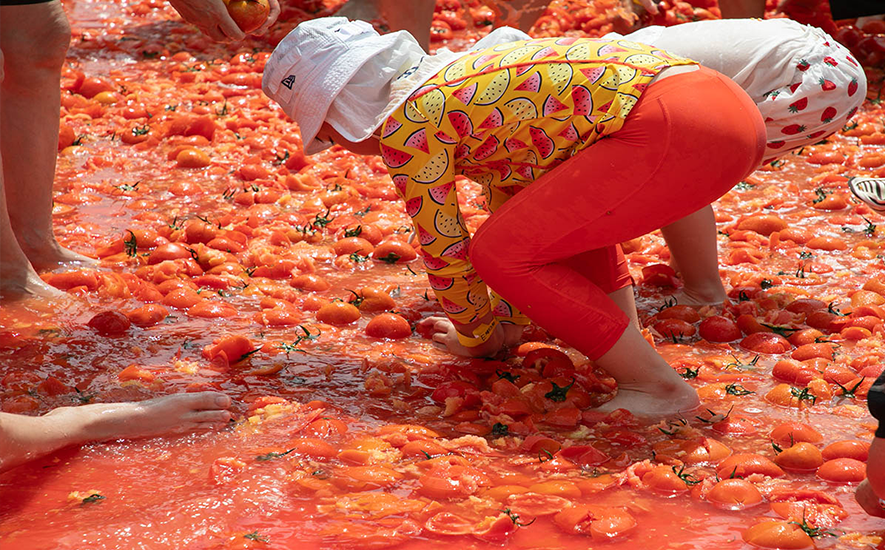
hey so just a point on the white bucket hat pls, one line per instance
(311, 67)
(344, 73)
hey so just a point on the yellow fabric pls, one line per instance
(503, 117)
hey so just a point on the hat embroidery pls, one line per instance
(289, 81)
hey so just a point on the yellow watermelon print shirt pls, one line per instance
(503, 117)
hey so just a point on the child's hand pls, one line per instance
(443, 332)
(512, 334)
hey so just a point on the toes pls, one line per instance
(208, 417)
(208, 400)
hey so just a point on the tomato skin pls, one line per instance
(192, 158)
(801, 457)
(147, 315)
(394, 251)
(110, 323)
(734, 494)
(663, 479)
(857, 450)
(551, 362)
(338, 313)
(842, 470)
(789, 433)
(810, 351)
(779, 535)
(376, 299)
(684, 313)
(766, 342)
(764, 224)
(168, 251)
(659, 275)
(92, 86)
(745, 464)
(675, 328)
(388, 325)
(599, 522)
(719, 329)
(230, 349)
(584, 455)
(446, 523)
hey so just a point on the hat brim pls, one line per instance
(310, 109)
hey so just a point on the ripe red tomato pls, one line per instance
(766, 342)
(843, 470)
(338, 313)
(675, 328)
(801, 457)
(734, 494)
(745, 464)
(664, 479)
(781, 535)
(857, 450)
(388, 325)
(110, 323)
(248, 14)
(719, 329)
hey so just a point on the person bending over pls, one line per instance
(578, 145)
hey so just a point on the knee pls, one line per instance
(37, 47)
(493, 258)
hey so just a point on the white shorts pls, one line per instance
(827, 88)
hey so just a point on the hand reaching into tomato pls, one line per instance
(213, 19)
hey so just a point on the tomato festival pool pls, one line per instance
(351, 429)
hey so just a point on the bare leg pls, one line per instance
(647, 385)
(413, 16)
(625, 301)
(34, 39)
(692, 242)
(24, 438)
(742, 9)
(17, 277)
(521, 14)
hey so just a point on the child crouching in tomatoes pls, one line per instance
(578, 144)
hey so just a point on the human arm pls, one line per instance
(420, 155)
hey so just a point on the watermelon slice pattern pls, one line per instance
(504, 128)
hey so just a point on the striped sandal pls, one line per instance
(869, 190)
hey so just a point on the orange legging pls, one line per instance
(552, 250)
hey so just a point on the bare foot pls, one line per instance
(24, 438)
(654, 402)
(51, 255)
(700, 297)
(17, 282)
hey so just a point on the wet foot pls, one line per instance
(53, 255)
(655, 404)
(699, 298)
(25, 283)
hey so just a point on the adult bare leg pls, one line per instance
(742, 9)
(34, 39)
(17, 277)
(693, 247)
(24, 438)
(626, 302)
(413, 16)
